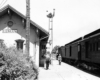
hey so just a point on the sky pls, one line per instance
(73, 18)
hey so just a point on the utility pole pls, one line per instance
(50, 16)
(27, 27)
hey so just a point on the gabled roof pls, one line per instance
(4, 9)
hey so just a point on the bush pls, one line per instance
(16, 64)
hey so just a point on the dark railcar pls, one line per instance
(63, 53)
(91, 48)
(67, 53)
(73, 51)
(61, 50)
(84, 50)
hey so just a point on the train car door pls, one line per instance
(86, 49)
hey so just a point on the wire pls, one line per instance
(2, 3)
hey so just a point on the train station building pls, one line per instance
(13, 33)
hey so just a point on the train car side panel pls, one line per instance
(74, 51)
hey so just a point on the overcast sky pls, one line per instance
(73, 18)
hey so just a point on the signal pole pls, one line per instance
(50, 16)
(27, 27)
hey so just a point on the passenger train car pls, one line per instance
(72, 51)
(84, 50)
(61, 50)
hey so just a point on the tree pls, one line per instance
(16, 64)
(55, 49)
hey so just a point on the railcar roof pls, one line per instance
(74, 41)
(85, 37)
(92, 33)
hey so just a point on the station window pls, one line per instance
(19, 44)
(43, 50)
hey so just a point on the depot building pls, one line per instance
(13, 33)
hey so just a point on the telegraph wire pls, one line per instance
(2, 3)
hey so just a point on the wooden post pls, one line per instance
(27, 27)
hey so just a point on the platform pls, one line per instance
(64, 72)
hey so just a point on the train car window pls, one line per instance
(78, 47)
(90, 47)
(65, 51)
(98, 46)
(93, 46)
(70, 51)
